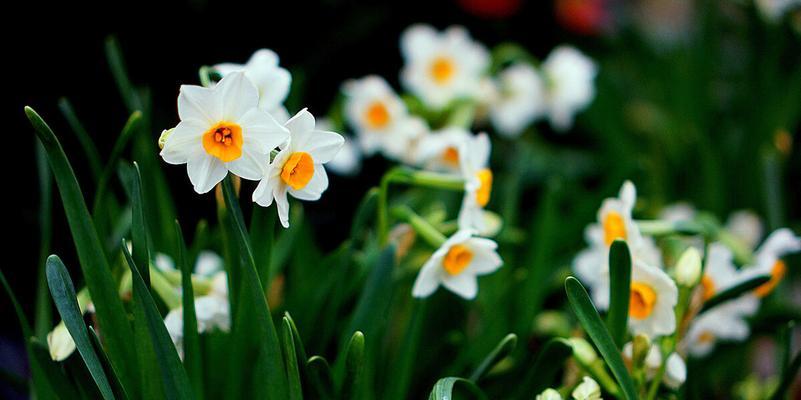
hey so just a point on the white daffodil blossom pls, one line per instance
(719, 323)
(379, 117)
(271, 80)
(652, 300)
(442, 66)
(675, 369)
(614, 221)
(549, 394)
(521, 99)
(570, 87)
(746, 226)
(439, 150)
(456, 264)
(774, 10)
(588, 389)
(222, 130)
(298, 169)
(348, 162)
(474, 156)
(208, 263)
(768, 259)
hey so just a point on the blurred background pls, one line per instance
(696, 101)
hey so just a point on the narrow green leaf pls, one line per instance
(43, 321)
(444, 389)
(788, 376)
(192, 357)
(404, 367)
(174, 379)
(501, 351)
(94, 265)
(141, 251)
(116, 386)
(354, 364)
(64, 296)
(734, 292)
(89, 148)
(619, 291)
(371, 309)
(301, 350)
(269, 347)
(262, 232)
(550, 360)
(320, 378)
(134, 121)
(588, 317)
(291, 361)
(117, 65)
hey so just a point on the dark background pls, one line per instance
(55, 50)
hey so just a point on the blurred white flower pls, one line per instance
(442, 66)
(746, 226)
(675, 369)
(271, 81)
(719, 323)
(474, 161)
(456, 264)
(614, 221)
(688, 268)
(774, 10)
(222, 130)
(439, 150)
(348, 161)
(549, 394)
(212, 313)
(676, 212)
(521, 99)
(570, 86)
(653, 297)
(208, 263)
(588, 389)
(60, 343)
(298, 168)
(768, 259)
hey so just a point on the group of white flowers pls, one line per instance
(654, 289)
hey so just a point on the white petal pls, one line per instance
(250, 165)
(205, 171)
(263, 194)
(428, 279)
(186, 139)
(261, 131)
(282, 204)
(628, 194)
(464, 285)
(324, 146)
(316, 186)
(237, 96)
(198, 103)
(300, 126)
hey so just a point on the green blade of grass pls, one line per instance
(321, 379)
(192, 357)
(63, 293)
(501, 351)
(445, 387)
(94, 265)
(734, 292)
(354, 365)
(252, 290)
(619, 291)
(174, 379)
(291, 361)
(588, 317)
(88, 145)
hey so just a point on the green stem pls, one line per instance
(420, 225)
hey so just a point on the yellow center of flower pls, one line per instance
(776, 275)
(451, 156)
(707, 287)
(457, 259)
(442, 70)
(483, 193)
(641, 300)
(298, 170)
(224, 141)
(377, 115)
(614, 227)
(706, 337)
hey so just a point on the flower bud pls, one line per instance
(549, 394)
(163, 138)
(583, 351)
(641, 347)
(60, 343)
(688, 268)
(588, 389)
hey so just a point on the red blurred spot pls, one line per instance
(491, 8)
(585, 17)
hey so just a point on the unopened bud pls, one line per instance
(588, 389)
(60, 343)
(583, 351)
(688, 269)
(163, 138)
(549, 394)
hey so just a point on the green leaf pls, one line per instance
(117, 66)
(141, 251)
(550, 360)
(354, 365)
(116, 386)
(174, 379)
(94, 265)
(501, 351)
(192, 356)
(788, 376)
(89, 148)
(374, 302)
(262, 235)
(321, 380)
(444, 389)
(252, 290)
(65, 298)
(404, 366)
(134, 121)
(734, 292)
(588, 317)
(43, 321)
(619, 291)
(291, 361)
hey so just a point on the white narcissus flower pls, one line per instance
(208, 263)
(474, 161)
(348, 161)
(675, 369)
(746, 226)
(720, 323)
(271, 81)
(653, 297)
(222, 130)
(521, 99)
(379, 117)
(456, 264)
(588, 389)
(439, 150)
(442, 66)
(298, 168)
(614, 221)
(569, 76)
(549, 394)
(768, 259)
(60, 343)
